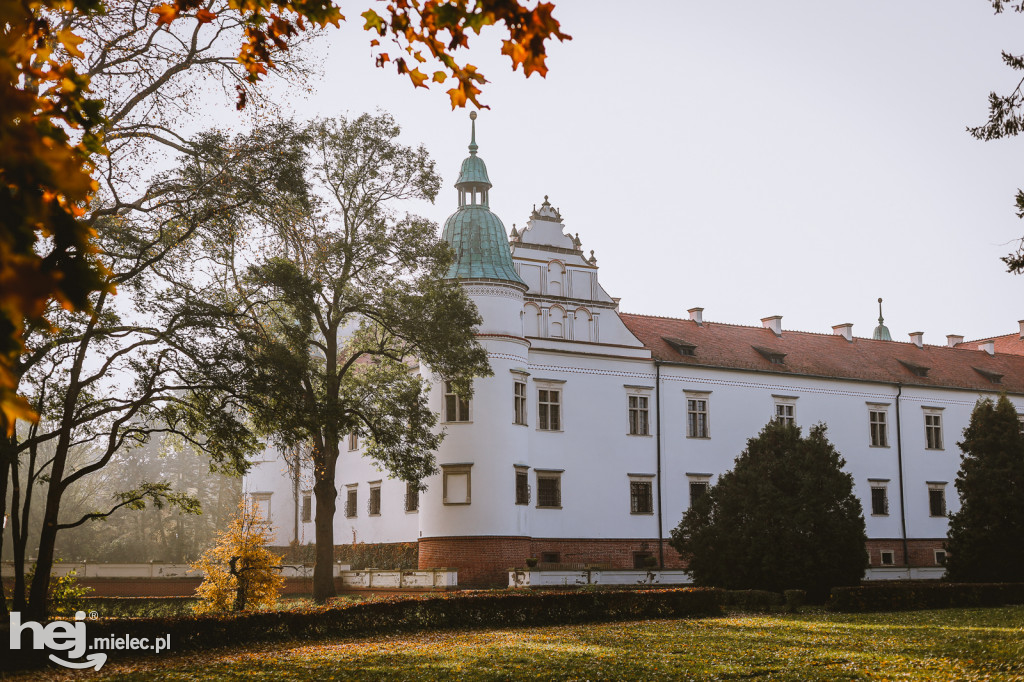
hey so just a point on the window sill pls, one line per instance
(641, 435)
(459, 422)
(522, 504)
(455, 504)
(699, 437)
(412, 511)
(371, 515)
(879, 447)
(934, 449)
(881, 515)
(550, 430)
(633, 513)
(540, 507)
(519, 424)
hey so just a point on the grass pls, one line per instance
(952, 644)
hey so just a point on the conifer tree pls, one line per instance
(986, 537)
(785, 517)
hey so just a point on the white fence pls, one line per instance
(439, 578)
(610, 577)
(894, 573)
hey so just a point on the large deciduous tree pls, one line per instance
(53, 127)
(341, 300)
(785, 517)
(986, 537)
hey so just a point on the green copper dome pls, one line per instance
(473, 170)
(481, 245)
(477, 235)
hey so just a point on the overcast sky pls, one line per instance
(788, 158)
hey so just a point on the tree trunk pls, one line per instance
(5, 472)
(19, 535)
(324, 467)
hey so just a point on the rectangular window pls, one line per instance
(307, 507)
(351, 499)
(697, 418)
(879, 500)
(353, 441)
(550, 558)
(641, 499)
(888, 557)
(522, 486)
(457, 483)
(936, 499)
(879, 428)
(373, 504)
(261, 506)
(412, 497)
(785, 409)
(456, 408)
(549, 409)
(520, 402)
(643, 560)
(549, 490)
(940, 557)
(698, 489)
(638, 416)
(933, 430)
(1020, 422)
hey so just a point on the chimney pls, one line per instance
(844, 330)
(989, 347)
(917, 338)
(774, 323)
(696, 314)
(953, 339)
(1021, 323)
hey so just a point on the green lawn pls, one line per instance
(954, 644)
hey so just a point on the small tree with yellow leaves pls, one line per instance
(239, 570)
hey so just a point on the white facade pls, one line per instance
(623, 413)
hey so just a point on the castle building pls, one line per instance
(598, 428)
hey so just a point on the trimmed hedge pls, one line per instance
(755, 601)
(391, 614)
(911, 596)
(136, 607)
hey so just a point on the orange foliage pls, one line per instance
(46, 249)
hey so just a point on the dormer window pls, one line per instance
(772, 356)
(916, 370)
(994, 377)
(680, 346)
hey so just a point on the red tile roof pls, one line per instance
(829, 355)
(1010, 343)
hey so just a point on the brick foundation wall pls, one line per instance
(483, 561)
(922, 551)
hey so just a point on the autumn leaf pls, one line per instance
(417, 78)
(205, 16)
(440, 77)
(166, 13)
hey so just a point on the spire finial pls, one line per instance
(472, 140)
(880, 318)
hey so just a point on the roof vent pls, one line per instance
(774, 323)
(680, 346)
(988, 346)
(994, 377)
(953, 339)
(772, 356)
(844, 330)
(697, 315)
(916, 370)
(917, 338)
